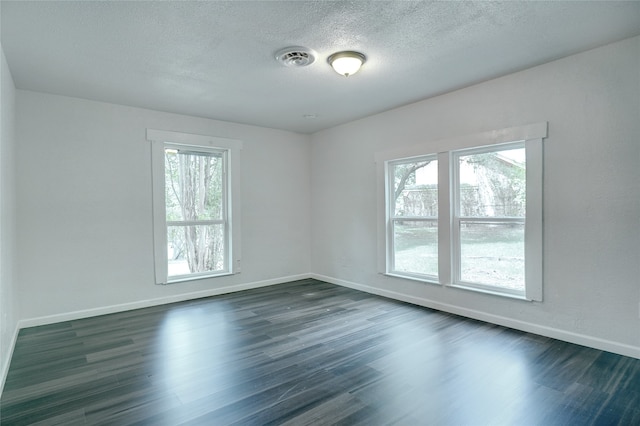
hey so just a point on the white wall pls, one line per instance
(84, 201)
(8, 315)
(84, 206)
(591, 194)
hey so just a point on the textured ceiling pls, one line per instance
(216, 59)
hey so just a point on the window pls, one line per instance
(196, 222)
(468, 215)
(196, 210)
(413, 216)
(489, 217)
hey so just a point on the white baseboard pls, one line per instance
(554, 333)
(69, 316)
(87, 313)
(7, 361)
(580, 339)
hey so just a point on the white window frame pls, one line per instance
(230, 150)
(531, 136)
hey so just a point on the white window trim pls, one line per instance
(233, 148)
(532, 136)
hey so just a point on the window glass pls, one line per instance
(415, 188)
(193, 185)
(492, 254)
(416, 246)
(195, 249)
(493, 184)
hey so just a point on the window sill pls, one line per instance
(184, 278)
(419, 278)
(491, 292)
(458, 286)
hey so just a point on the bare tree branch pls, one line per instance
(406, 175)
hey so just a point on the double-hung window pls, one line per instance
(489, 217)
(196, 210)
(196, 222)
(413, 216)
(466, 212)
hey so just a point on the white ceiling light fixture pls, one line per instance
(346, 63)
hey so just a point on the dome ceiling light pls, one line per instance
(346, 63)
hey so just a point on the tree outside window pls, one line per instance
(195, 204)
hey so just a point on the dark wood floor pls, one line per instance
(309, 352)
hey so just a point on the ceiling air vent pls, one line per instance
(295, 56)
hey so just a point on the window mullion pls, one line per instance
(444, 219)
(390, 204)
(456, 251)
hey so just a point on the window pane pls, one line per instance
(493, 184)
(193, 249)
(416, 246)
(415, 191)
(492, 254)
(193, 185)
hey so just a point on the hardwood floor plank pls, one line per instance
(326, 413)
(304, 353)
(70, 418)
